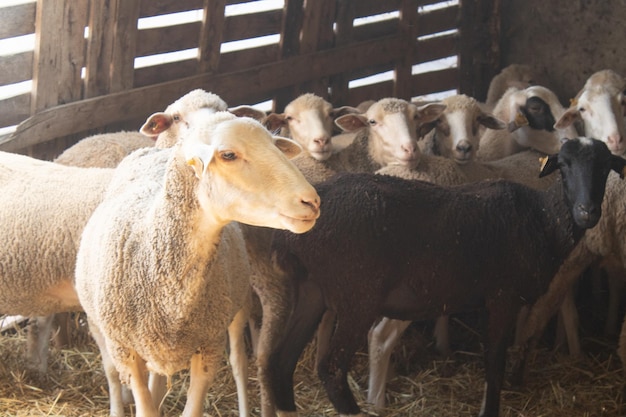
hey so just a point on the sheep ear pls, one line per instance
(351, 122)
(491, 122)
(568, 118)
(430, 112)
(618, 164)
(198, 157)
(248, 111)
(549, 164)
(289, 147)
(340, 111)
(157, 123)
(425, 128)
(274, 121)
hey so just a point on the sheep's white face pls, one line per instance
(245, 177)
(601, 105)
(457, 133)
(312, 128)
(393, 132)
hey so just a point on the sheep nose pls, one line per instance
(410, 149)
(614, 140)
(322, 141)
(312, 203)
(464, 146)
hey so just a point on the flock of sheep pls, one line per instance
(209, 219)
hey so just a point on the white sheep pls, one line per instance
(45, 208)
(531, 114)
(309, 120)
(160, 292)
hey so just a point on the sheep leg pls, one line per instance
(569, 315)
(615, 277)
(157, 384)
(442, 335)
(334, 366)
(621, 351)
(112, 375)
(38, 342)
(239, 359)
(304, 320)
(324, 333)
(202, 371)
(383, 337)
(138, 372)
(502, 314)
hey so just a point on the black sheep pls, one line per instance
(410, 250)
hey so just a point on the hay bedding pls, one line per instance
(423, 385)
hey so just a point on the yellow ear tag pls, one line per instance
(544, 161)
(520, 119)
(573, 102)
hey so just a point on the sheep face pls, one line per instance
(601, 106)
(244, 176)
(584, 183)
(393, 125)
(457, 130)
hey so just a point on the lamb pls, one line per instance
(387, 219)
(537, 106)
(309, 120)
(515, 75)
(128, 273)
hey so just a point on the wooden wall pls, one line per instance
(87, 81)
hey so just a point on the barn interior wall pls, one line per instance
(567, 40)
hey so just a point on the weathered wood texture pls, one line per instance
(88, 81)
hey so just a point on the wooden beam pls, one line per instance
(140, 102)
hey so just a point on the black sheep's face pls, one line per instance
(585, 165)
(538, 114)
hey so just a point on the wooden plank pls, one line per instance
(99, 48)
(124, 45)
(375, 7)
(369, 92)
(59, 49)
(165, 72)
(14, 110)
(408, 30)
(435, 81)
(438, 21)
(159, 7)
(16, 68)
(480, 57)
(289, 45)
(343, 35)
(436, 48)
(375, 30)
(113, 108)
(168, 38)
(17, 20)
(252, 25)
(246, 58)
(210, 40)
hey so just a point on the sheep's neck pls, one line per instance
(356, 157)
(559, 218)
(192, 235)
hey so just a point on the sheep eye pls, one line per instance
(581, 109)
(372, 122)
(288, 118)
(176, 118)
(228, 155)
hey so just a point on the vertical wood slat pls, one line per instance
(58, 55)
(211, 35)
(99, 49)
(124, 44)
(344, 25)
(289, 45)
(479, 46)
(408, 30)
(317, 35)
